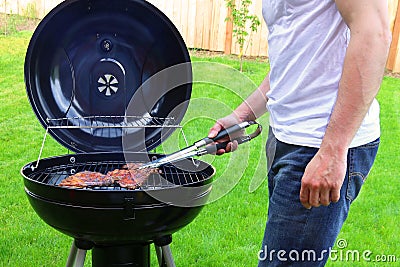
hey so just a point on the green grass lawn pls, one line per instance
(229, 230)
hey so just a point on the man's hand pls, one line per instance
(221, 124)
(323, 179)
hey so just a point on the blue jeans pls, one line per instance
(294, 235)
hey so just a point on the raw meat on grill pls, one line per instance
(124, 178)
(87, 179)
(136, 172)
(129, 176)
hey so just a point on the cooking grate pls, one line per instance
(111, 122)
(169, 175)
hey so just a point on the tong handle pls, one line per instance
(224, 133)
(211, 149)
(229, 131)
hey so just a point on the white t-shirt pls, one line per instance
(307, 45)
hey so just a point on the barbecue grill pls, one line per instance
(89, 72)
(115, 220)
(110, 81)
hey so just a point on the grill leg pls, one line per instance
(159, 254)
(76, 256)
(164, 256)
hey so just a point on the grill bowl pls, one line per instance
(168, 202)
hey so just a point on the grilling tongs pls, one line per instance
(206, 146)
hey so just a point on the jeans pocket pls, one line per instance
(360, 160)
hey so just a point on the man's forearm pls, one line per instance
(256, 104)
(250, 109)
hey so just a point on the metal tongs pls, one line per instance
(206, 146)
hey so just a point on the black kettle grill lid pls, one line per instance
(93, 63)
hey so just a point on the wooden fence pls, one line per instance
(202, 24)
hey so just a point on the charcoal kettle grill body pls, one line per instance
(88, 72)
(165, 202)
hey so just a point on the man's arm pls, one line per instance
(256, 104)
(252, 108)
(360, 82)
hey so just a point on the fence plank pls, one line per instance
(264, 40)
(217, 27)
(207, 6)
(191, 24)
(393, 62)
(184, 18)
(392, 12)
(198, 41)
(254, 48)
(228, 33)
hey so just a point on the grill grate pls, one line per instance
(169, 175)
(111, 122)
